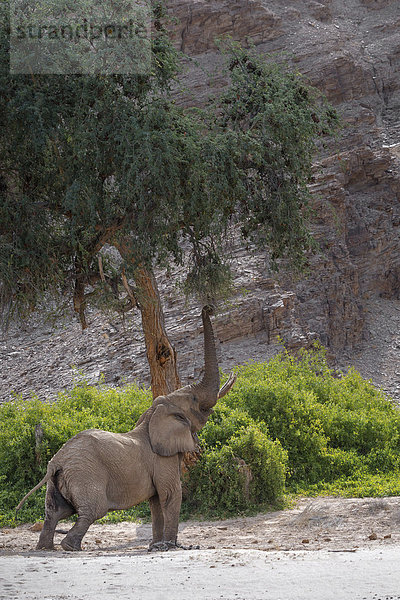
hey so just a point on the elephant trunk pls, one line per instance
(207, 389)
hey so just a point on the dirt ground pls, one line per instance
(331, 524)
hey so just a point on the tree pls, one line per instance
(92, 161)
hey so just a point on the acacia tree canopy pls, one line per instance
(88, 161)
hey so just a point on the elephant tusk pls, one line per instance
(227, 385)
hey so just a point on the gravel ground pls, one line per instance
(322, 549)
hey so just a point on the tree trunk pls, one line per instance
(160, 353)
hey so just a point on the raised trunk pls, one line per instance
(207, 389)
(160, 353)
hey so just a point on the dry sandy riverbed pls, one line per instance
(314, 524)
(324, 548)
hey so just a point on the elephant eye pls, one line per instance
(180, 418)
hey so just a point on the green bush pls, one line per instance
(332, 426)
(23, 460)
(224, 423)
(248, 470)
(265, 465)
(292, 418)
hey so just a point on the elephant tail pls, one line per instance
(49, 474)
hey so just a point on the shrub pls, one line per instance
(248, 470)
(224, 423)
(23, 459)
(293, 418)
(331, 425)
(265, 465)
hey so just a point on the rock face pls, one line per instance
(350, 49)
(200, 23)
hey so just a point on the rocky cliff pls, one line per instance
(350, 49)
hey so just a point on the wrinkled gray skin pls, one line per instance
(98, 471)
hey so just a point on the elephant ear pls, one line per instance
(170, 431)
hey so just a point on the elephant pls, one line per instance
(98, 471)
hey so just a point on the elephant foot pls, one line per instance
(168, 545)
(45, 541)
(44, 546)
(160, 546)
(70, 545)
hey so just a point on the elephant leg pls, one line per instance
(73, 539)
(168, 499)
(171, 505)
(157, 520)
(56, 508)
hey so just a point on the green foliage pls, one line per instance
(224, 423)
(356, 485)
(292, 421)
(240, 469)
(89, 161)
(266, 462)
(331, 426)
(275, 118)
(89, 146)
(209, 278)
(24, 460)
